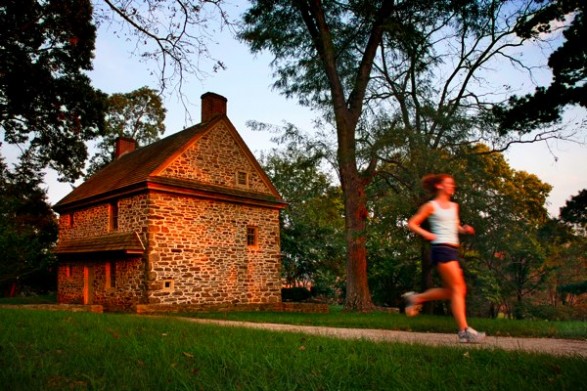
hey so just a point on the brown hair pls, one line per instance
(430, 181)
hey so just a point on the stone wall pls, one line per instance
(70, 284)
(84, 223)
(198, 252)
(125, 291)
(215, 159)
(95, 221)
(133, 215)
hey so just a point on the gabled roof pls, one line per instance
(135, 168)
(131, 168)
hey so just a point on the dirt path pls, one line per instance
(558, 347)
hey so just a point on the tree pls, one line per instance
(175, 34)
(46, 100)
(568, 64)
(28, 228)
(507, 209)
(394, 256)
(567, 260)
(574, 212)
(312, 226)
(314, 36)
(139, 115)
(370, 65)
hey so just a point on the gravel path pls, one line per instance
(558, 347)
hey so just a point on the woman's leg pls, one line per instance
(454, 281)
(415, 300)
(432, 294)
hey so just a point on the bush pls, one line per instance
(295, 294)
(547, 312)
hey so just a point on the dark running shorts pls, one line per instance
(442, 253)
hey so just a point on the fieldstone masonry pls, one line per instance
(198, 247)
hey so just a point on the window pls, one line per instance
(251, 236)
(242, 178)
(110, 275)
(69, 220)
(113, 216)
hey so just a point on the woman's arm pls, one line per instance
(415, 222)
(464, 229)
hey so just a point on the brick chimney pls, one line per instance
(123, 146)
(212, 106)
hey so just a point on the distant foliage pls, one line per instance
(574, 211)
(28, 231)
(139, 115)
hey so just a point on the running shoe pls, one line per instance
(412, 309)
(470, 335)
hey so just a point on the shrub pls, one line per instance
(295, 294)
(548, 312)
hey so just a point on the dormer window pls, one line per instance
(242, 179)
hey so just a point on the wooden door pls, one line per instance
(88, 285)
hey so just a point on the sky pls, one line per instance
(246, 83)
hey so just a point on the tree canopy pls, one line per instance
(402, 84)
(139, 115)
(568, 64)
(574, 211)
(47, 102)
(172, 34)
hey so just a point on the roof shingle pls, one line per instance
(131, 168)
(128, 242)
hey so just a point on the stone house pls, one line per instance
(189, 220)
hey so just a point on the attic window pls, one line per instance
(242, 178)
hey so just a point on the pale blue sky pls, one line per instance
(247, 85)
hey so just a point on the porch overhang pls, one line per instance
(128, 243)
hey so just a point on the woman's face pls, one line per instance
(447, 185)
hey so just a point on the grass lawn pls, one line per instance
(47, 350)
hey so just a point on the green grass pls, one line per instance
(423, 323)
(47, 350)
(33, 299)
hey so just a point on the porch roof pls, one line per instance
(127, 242)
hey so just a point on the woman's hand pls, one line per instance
(467, 230)
(429, 236)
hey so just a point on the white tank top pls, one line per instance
(444, 224)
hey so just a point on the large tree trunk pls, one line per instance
(358, 297)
